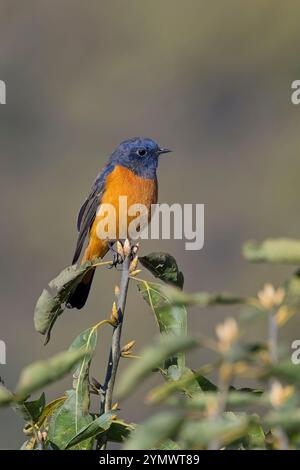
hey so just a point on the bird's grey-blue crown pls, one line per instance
(139, 154)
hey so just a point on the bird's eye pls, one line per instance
(141, 152)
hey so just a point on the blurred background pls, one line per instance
(212, 81)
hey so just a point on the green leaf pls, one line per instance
(64, 422)
(189, 382)
(154, 431)
(151, 358)
(49, 410)
(273, 250)
(86, 341)
(284, 370)
(205, 384)
(51, 303)
(30, 410)
(93, 429)
(164, 267)
(41, 373)
(202, 299)
(292, 289)
(172, 320)
(119, 431)
(228, 428)
(246, 352)
(5, 396)
(287, 419)
(73, 415)
(29, 445)
(236, 399)
(255, 438)
(168, 444)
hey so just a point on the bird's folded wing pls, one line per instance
(89, 209)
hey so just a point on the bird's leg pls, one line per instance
(117, 256)
(120, 253)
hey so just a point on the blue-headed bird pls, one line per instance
(131, 172)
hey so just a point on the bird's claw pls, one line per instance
(117, 259)
(120, 254)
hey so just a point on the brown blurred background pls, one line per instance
(211, 80)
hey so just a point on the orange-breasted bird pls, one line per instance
(131, 172)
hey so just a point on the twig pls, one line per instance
(223, 386)
(115, 352)
(273, 349)
(115, 349)
(273, 336)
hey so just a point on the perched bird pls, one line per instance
(131, 172)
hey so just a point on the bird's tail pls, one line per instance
(80, 294)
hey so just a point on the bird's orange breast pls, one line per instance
(123, 182)
(137, 190)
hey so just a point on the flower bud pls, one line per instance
(127, 247)
(120, 249)
(269, 297)
(128, 347)
(133, 264)
(279, 394)
(114, 318)
(227, 333)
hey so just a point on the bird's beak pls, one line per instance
(162, 150)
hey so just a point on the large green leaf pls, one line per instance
(93, 429)
(163, 266)
(41, 373)
(65, 420)
(51, 303)
(172, 320)
(73, 415)
(153, 357)
(273, 250)
(154, 431)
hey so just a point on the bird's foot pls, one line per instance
(124, 249)
(117, 259)
(117, 256)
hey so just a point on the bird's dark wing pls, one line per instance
(88, 210)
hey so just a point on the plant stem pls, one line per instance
(223, 387)
(115, 351)
(272, 336)
(273, 348)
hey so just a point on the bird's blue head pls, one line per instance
(139, 155)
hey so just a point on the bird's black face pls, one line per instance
(139, 155)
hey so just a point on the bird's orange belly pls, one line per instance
(124, 191)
